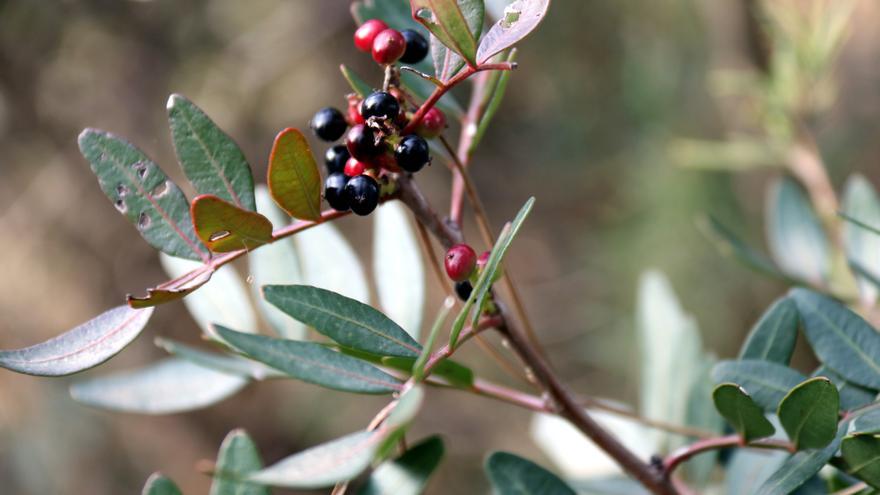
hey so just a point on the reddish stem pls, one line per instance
(705, 445)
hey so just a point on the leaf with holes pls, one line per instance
(170, 386)
(862, 456)
(237, 459)
(348, 322)
(773, 337)
(324, 465)
(294, 180)
(520, 18)
(741, 412)
(840, 338)
(809, 413)
(766, 382)
(312, 363)
(160, 485)
(795, 235)
(211, 160)
(143, 193)
(409, 473)
(173, 289)
(514, 475)
(81, 348)
(224, 227)
(450, 21)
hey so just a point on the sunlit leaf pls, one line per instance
(862, 456)
(81, 348)
(860, 201)
(345, 320)
(774, 335)
(809, 413)
(160, 485)
(211, 160)
(143, 193)
(294, 180)
(795, 234)
(456, 23)
(767, 383)
(409, 473)
(311, 362)
(238, 458)
(514, 475)
(224, 227)
(520, 18)
(741, 412)
(170, 386)
(328, 261)
(398, 267)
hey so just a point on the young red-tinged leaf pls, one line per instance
(238, 458)
(521, 17)
(809, 413)
(224, 227)
(160, 485)
(172, 290)
(456, 23)
(741, 412)
(143, 193)
(81, 348)
(209, 157)
(293, 176)
(862, 456)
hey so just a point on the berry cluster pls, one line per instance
(462, 264)
(374, 147)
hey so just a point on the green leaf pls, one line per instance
(862, 456)
(809, 413)
(767, 383)
(800, 467)
(346, 321)
(330, 262)
(395, 13)
(211, 160)
(794, 233)
(457, 374)
(862, 246)
(170, 386)
(741, 412)
(521, 17)
(143, 193)
(773, 337)
(487, 275)
(225, 363)
(160, 485)
(866, 423)
(324, 465)
(277, 263)
(840, 338)
(398, 267)
(361, 87)
(418, 367)
(852, 396)
(496, 95)
(80, 348)
(447, 63)
(514, 475)
(409, 473)
(294, 180)
(750, 468)
(728, 244)
(238, 458)
(456, 23)
(422, 89)
(224, 227)
(312, 363)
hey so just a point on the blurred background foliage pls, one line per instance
(606, 123)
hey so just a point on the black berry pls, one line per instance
(362, 193)
(416, 47)
(463, 290)
(412, 153)
(329, 124)
(380, 105)
(361, 143)
(334, 191)
(335, 158)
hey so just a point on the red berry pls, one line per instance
(432, 124)
(388, 47)
(354, 113)
(364, 36)
(460, 262)
(354, 167)
(483, 259)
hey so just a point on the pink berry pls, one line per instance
(483, 259)
(354, 167)
(388, 47)
(432, 124)
(364, 36)
(460, 262)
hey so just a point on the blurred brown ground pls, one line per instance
(602, 86)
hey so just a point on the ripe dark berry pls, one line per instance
(329, 124)
(354, 167)
(416, 47)
(463, 290)
(460, 262)
(362, 193)
(335, 158)
(334, 191)
(412, 153)
(364, 36)
(388, 46)
(432, 124)
(361, 142)
(380, 105)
